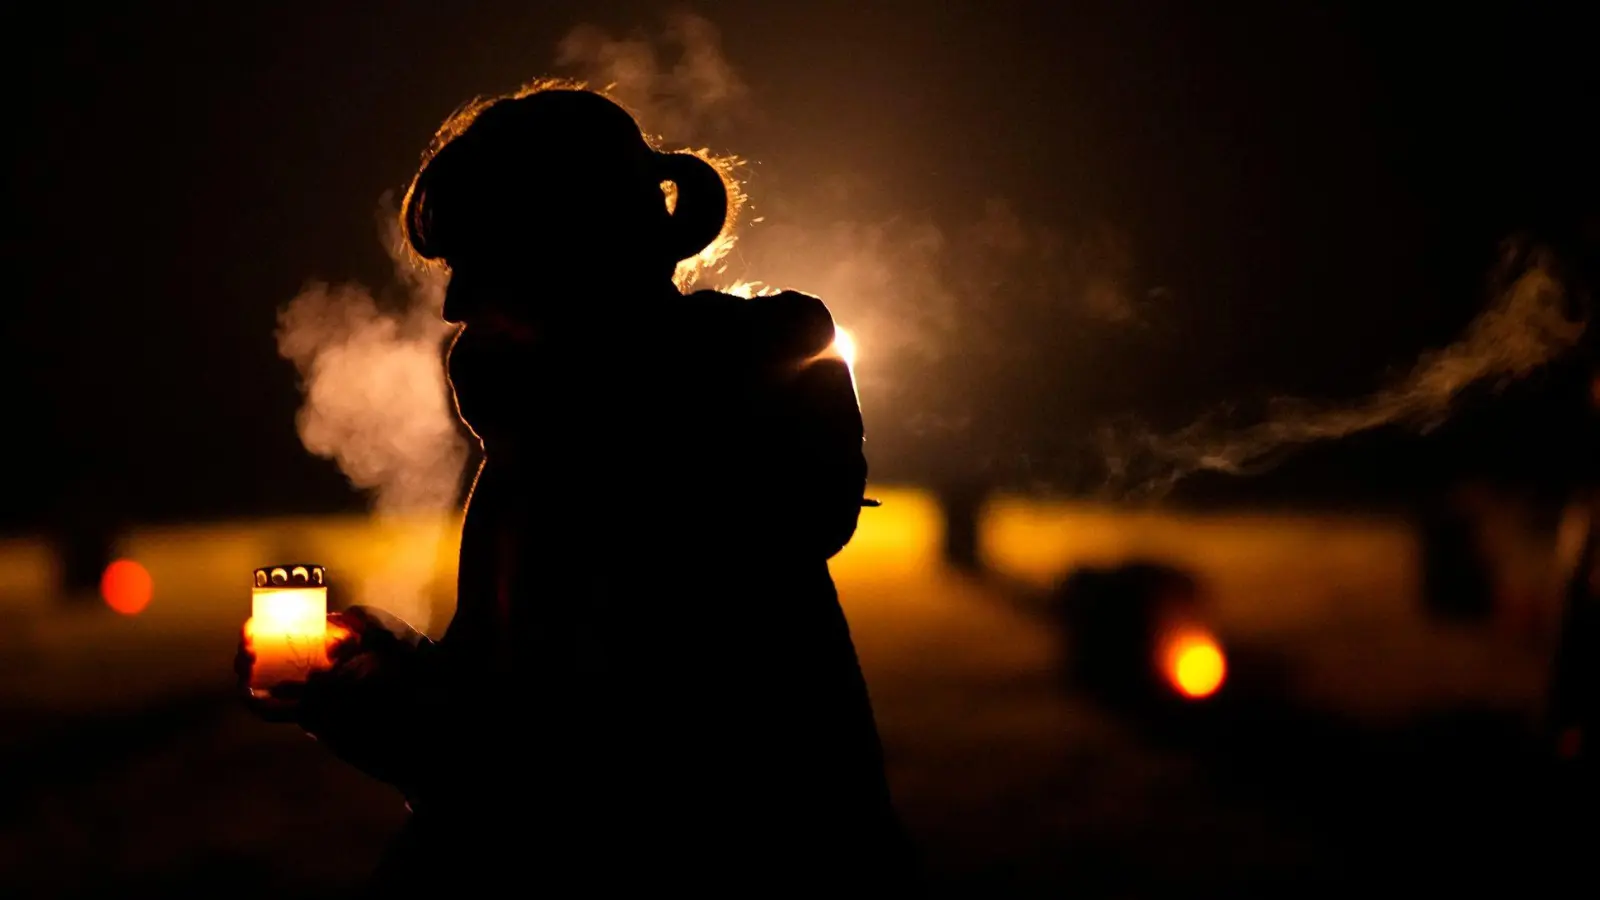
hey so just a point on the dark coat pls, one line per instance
(649, 679)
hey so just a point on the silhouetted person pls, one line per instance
(648, 681)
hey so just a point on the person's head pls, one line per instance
(527, 197)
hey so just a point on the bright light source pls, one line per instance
(126, 587)
(844, 344)
(1194, 664)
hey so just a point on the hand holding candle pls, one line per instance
(362, 698)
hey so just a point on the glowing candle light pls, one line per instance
(288, 626)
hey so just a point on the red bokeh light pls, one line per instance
(126, 587)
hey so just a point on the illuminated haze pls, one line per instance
(951, 322)
(929, 303)
(978, 308)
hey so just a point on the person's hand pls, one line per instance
(366, 705)
(365, 648)
(285, 702)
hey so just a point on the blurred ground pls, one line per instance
(1386, 751)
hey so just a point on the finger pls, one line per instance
(343, 675)
(328, 687)
(269, 708)
(343, 619)
(379, 625)
(244, 660)
(343, 643)
(355, 618)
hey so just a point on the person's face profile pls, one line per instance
(480, 293)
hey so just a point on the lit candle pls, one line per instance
(288, 627)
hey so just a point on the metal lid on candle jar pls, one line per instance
(292, 575)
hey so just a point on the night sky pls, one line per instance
(1320, 190)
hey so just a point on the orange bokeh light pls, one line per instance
(1194, 663)
(126, 587)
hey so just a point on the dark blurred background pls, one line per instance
(1038, 221)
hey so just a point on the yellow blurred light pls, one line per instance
(1194, 663)
(900, 539)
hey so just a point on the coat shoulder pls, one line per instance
(789, 323)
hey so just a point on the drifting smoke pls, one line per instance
(998, 312)
(377, 402)
(1528, 324)
(678, 83)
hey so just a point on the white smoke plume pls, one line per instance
(1528, 324)
(377, 403)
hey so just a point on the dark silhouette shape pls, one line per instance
(1110, 618)
(961, 501)
(648, 680)
(84, 530)
(1574, 691)
(1456, 581)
